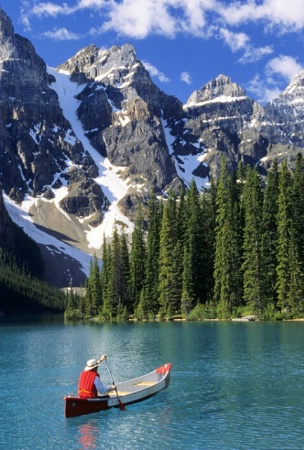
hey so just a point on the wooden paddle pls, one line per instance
(121, 405)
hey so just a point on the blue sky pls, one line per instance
(259, 44)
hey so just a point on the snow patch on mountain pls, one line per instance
(185, 165)
(20, 216)
(219, 99)
(112, 185)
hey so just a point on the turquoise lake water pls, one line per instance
(233, 385)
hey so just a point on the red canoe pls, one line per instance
(130, 391)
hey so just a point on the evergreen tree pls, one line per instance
(208, 211)
(172, 214)
(166, 273)
(21, 292)
(252, 268)
(284, 236)
(177, 270)
(269, 241)
(72, 300)
(187, 295)
(170, 259)
(296, 291)
(118, 281)
(295, 294)
(137, 259)
(194, 241)
(125, 262)
(181, 218)
(227, 283)
(106, 280)
(143, 311)
(150, 295)
(88, 302)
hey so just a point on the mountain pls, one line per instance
(13, 241)
(83, 144)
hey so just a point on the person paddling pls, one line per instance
(90, 384)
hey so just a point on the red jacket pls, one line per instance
(86, 386)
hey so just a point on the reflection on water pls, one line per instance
(88, 434)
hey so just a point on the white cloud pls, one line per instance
(287, 15)
(186, 77)
(262, 91)
(241, 41)
(54, 9)
(285, 66)
(50, 9)
(137, 18)
(252, 54)
(61, 34)
(169, 18)
(194, 19)
(278, 72)
(140, 18)
(83, 4)
(134, 18)
(235, 41)
(155, 72)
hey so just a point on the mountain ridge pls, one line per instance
(84, 144)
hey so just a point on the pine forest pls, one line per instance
(235, 249)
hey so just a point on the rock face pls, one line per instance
(223, 118)
(287, 111)
(285, 127)
(121, 111)
(36, 140)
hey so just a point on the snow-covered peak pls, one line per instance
(296, 86)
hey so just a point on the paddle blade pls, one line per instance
(121, 406)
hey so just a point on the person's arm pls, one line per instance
(101, 388)
(103, 357)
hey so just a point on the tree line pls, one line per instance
(21, 292)
(236, 248)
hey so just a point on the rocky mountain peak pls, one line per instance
(219, 87)
(287, 111)
(7, 37)
(19, 61)
(108, 66)
(125, 111)
(296, 86)
(82, 61)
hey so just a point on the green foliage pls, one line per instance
(149, 294)
(284, 238)
(166, 274)
(21, 293)
(207, 311)
(227, 264)
(73, 314)
(269, 237)
(137, 259)
(236, 249)
(252, 260)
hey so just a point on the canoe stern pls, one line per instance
(75, 406)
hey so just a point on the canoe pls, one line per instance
(128, 392)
